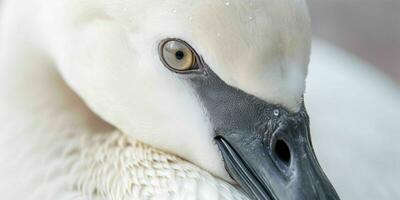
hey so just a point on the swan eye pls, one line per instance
(177, 55)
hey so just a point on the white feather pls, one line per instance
(107, 52)
(53, 146)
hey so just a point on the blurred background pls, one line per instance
(356, 137)
(368, 28)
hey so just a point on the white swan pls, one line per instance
(107, 52)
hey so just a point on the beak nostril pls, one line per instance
(282, 151)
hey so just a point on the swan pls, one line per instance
(115, 99)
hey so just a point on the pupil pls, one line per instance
(179, 55)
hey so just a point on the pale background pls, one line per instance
(356, 136)
(368, 28)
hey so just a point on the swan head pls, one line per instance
(218, 83)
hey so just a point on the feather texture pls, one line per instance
(73, 164)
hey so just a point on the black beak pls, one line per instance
(266, 149)
(276, 162)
